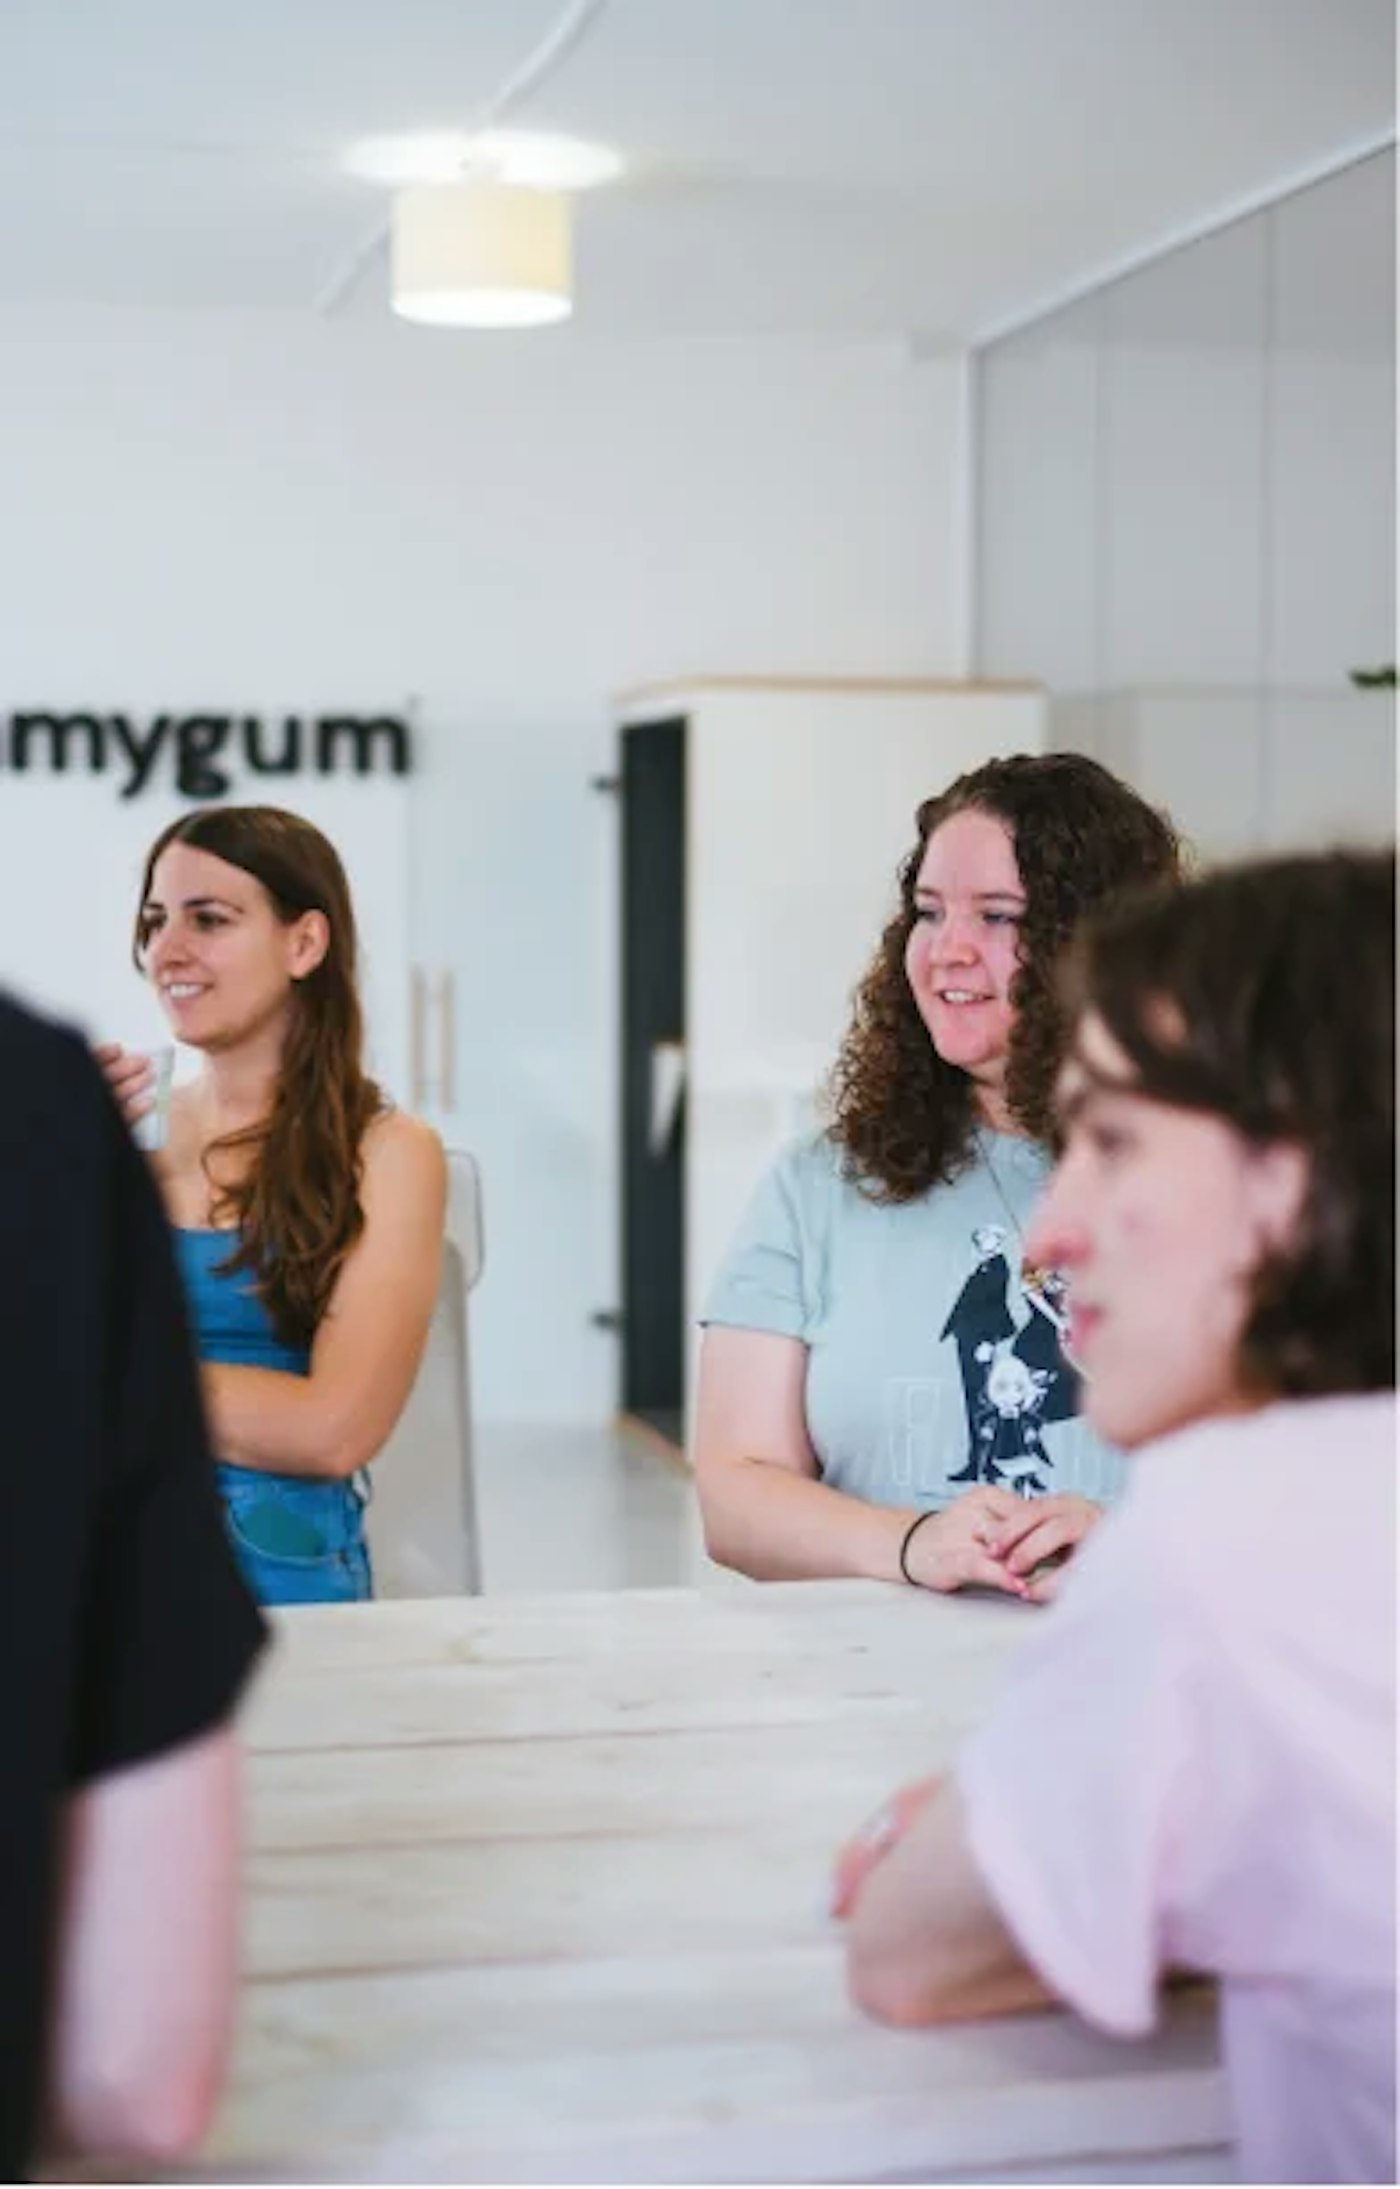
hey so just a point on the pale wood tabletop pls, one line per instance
(538, 1892)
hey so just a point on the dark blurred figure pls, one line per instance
(129, 1637)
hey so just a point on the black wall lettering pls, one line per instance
(58, 728)
(141, 748)
(50, 739)
(197, 739)
(288, 758)
(365, 733)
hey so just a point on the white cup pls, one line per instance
(151, 1131)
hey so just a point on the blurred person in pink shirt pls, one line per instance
(1193, 1765)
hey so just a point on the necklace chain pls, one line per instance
(1044, 1285)
(998, 1188)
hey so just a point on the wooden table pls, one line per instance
(539, 1893)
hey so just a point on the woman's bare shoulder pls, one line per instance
(400, 1146)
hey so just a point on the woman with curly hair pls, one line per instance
(308, 1213)
(1193, 1764)
(882, 1378)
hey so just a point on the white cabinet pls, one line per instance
(1330, 773)
(510, 941)
(799, 805)
(1244, 770)
(1196, 751)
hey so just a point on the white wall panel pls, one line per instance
(1037, 502)
(1182, 390)
(1242, 451)
(1331, 541)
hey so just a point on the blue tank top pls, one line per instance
(297, 1539)
(229, 1321)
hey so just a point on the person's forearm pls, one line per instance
(279, 1423)
(925, 1942)
(915, 1957)
(146, 1955)
(774, 1525)
(898, 1974)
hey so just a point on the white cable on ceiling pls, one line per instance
(553, 48)
(544, 58)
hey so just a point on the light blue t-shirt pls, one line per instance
(931, 1367)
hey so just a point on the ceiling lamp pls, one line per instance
(481, 254)
(536, 159)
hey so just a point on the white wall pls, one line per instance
(258, 513)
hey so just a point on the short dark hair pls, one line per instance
(1264, 994)
(903, 1117)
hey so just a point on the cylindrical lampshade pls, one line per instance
(477, 254)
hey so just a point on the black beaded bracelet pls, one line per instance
(910, 1532)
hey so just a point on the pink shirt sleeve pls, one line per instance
(1076, 1788)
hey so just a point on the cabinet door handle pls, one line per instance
(417, 1039)
(447, 1041)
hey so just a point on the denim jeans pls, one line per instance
(298, 1540)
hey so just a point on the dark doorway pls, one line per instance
(653, 1036)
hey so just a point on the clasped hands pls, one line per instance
(990, 1538)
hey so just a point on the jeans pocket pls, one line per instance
(296, 1548)
(264, 1527)
(336, 1577)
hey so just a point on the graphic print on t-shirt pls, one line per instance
(1015, 1380)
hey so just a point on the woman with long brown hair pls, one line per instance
(882, 1377)
(308, 1213)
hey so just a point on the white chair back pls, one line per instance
(422, 1521)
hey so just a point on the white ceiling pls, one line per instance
(872, 168)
